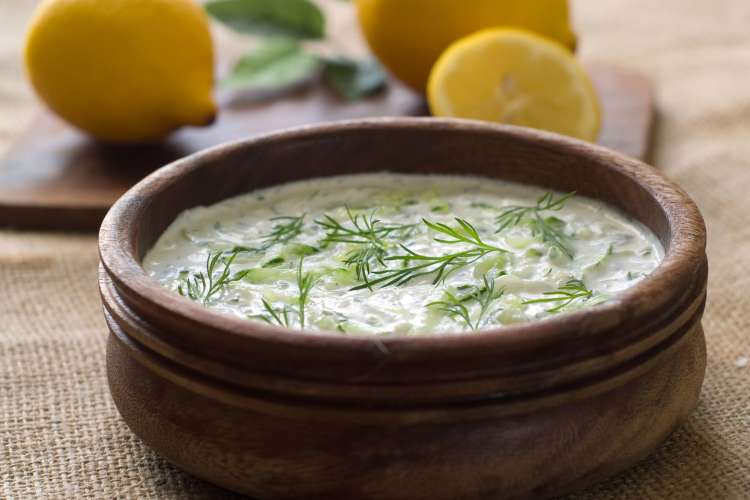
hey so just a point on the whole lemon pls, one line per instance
(408, 36)
(125, 71)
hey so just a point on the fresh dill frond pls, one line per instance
(454, 306)
(272, 315)
(541, 226)
(305, 283)
(465, 233)
(363, 257)
(571, 291)
(283, 316)
(202, 286)
(363, 229)
(285, 230)
(485, 296)
(415, 264)
(368, 233)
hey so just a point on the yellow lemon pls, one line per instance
(408, 36)
(123, 70)
(515, 77)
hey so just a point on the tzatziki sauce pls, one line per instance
(395, 254)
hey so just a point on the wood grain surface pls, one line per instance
(54, 177)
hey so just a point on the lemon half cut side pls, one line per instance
(515, 77)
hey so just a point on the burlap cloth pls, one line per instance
(61, 436)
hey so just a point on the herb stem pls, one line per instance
(305, 283)
(573, 290)
(202, 286)
(368, 233)
(454, 306)
(441, 266)
(283, 231)
(540, 225)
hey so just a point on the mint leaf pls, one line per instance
(276, 64)
(353, 79)
(293, 18)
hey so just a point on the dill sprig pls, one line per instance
(279, 316)
(485, 296)
(282, 316)
(285, 230)
(368, 233)
(202, 286)
(540, 226)
(454, 306)
(570, 292)
(440, 265)
(305, 283)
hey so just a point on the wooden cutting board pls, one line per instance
(54, 177)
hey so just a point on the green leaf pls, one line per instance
(276, 64)
(353, 79)
(294, 18)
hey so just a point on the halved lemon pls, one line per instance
(515, 77)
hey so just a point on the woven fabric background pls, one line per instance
(61, 436)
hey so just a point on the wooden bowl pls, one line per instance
(526, 411)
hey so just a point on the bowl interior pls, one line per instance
(422, 146)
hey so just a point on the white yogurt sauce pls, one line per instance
(524, 271)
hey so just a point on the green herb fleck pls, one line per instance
(485, 296)
(480, 204)
(282, 316)
(547, 228)
(305, 283)
(572, 291)
(454, 306)
(202, 286)
(441, 208)
(283, 231)
(272, 315)
(286, 229)
(275, 262)
(300, 250)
